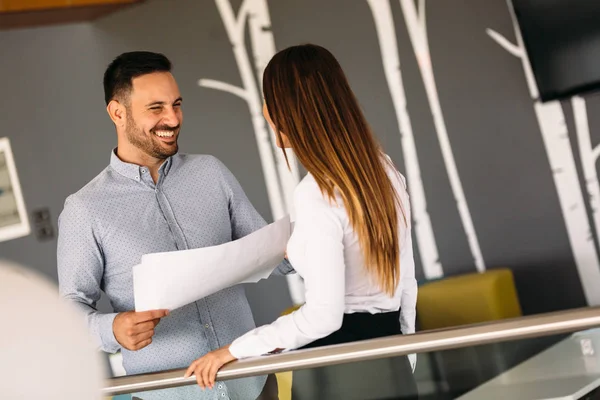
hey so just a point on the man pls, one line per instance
(152, 199)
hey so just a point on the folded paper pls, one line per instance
(173, 279)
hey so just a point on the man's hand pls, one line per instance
(134, 330)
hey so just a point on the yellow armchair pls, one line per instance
(468, 299)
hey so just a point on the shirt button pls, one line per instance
(221, 387)
(207, 326)
(222, 394)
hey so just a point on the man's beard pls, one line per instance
(136, 137)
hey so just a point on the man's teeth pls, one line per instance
(165, 133)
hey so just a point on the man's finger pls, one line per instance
(150, 315)
(143, 344)
(142, 337)
(143, 327)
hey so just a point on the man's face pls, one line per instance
(154, 114)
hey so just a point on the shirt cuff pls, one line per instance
(249, 345)
(407, 322)
(107, 336)
(240, 349)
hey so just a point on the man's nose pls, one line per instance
(171, 117)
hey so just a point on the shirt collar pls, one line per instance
(134, 171)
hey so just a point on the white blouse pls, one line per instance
(325, 251)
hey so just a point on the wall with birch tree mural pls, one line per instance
(496, 178)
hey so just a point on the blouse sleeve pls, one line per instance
(319, 257)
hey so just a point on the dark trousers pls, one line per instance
(364, 326)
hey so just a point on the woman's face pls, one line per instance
(286, 143)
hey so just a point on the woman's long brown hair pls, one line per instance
(310, 100)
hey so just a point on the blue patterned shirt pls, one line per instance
(120, 215)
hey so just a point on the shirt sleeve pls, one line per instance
(408, 302)
(321, 254)
(80, 272)
(244, 217)
(408, 282)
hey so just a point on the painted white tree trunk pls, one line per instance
(235, 28)
(386, 34)
(279, 180)
(417, 30)
(589, 158)
(551, 120)
(263, 47)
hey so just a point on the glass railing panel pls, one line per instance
(514, 359)
(439, 375)
(568, 368)
(557, 366)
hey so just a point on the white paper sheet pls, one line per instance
(173, 279)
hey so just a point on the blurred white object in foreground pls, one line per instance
(45, 349)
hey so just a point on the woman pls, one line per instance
(352, 238)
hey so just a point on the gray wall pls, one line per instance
(53, 112)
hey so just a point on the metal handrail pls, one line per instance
(471, 335)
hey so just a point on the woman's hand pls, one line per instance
(205, 368)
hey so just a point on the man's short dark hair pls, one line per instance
(119, 75)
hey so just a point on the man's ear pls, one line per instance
(117, 113)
